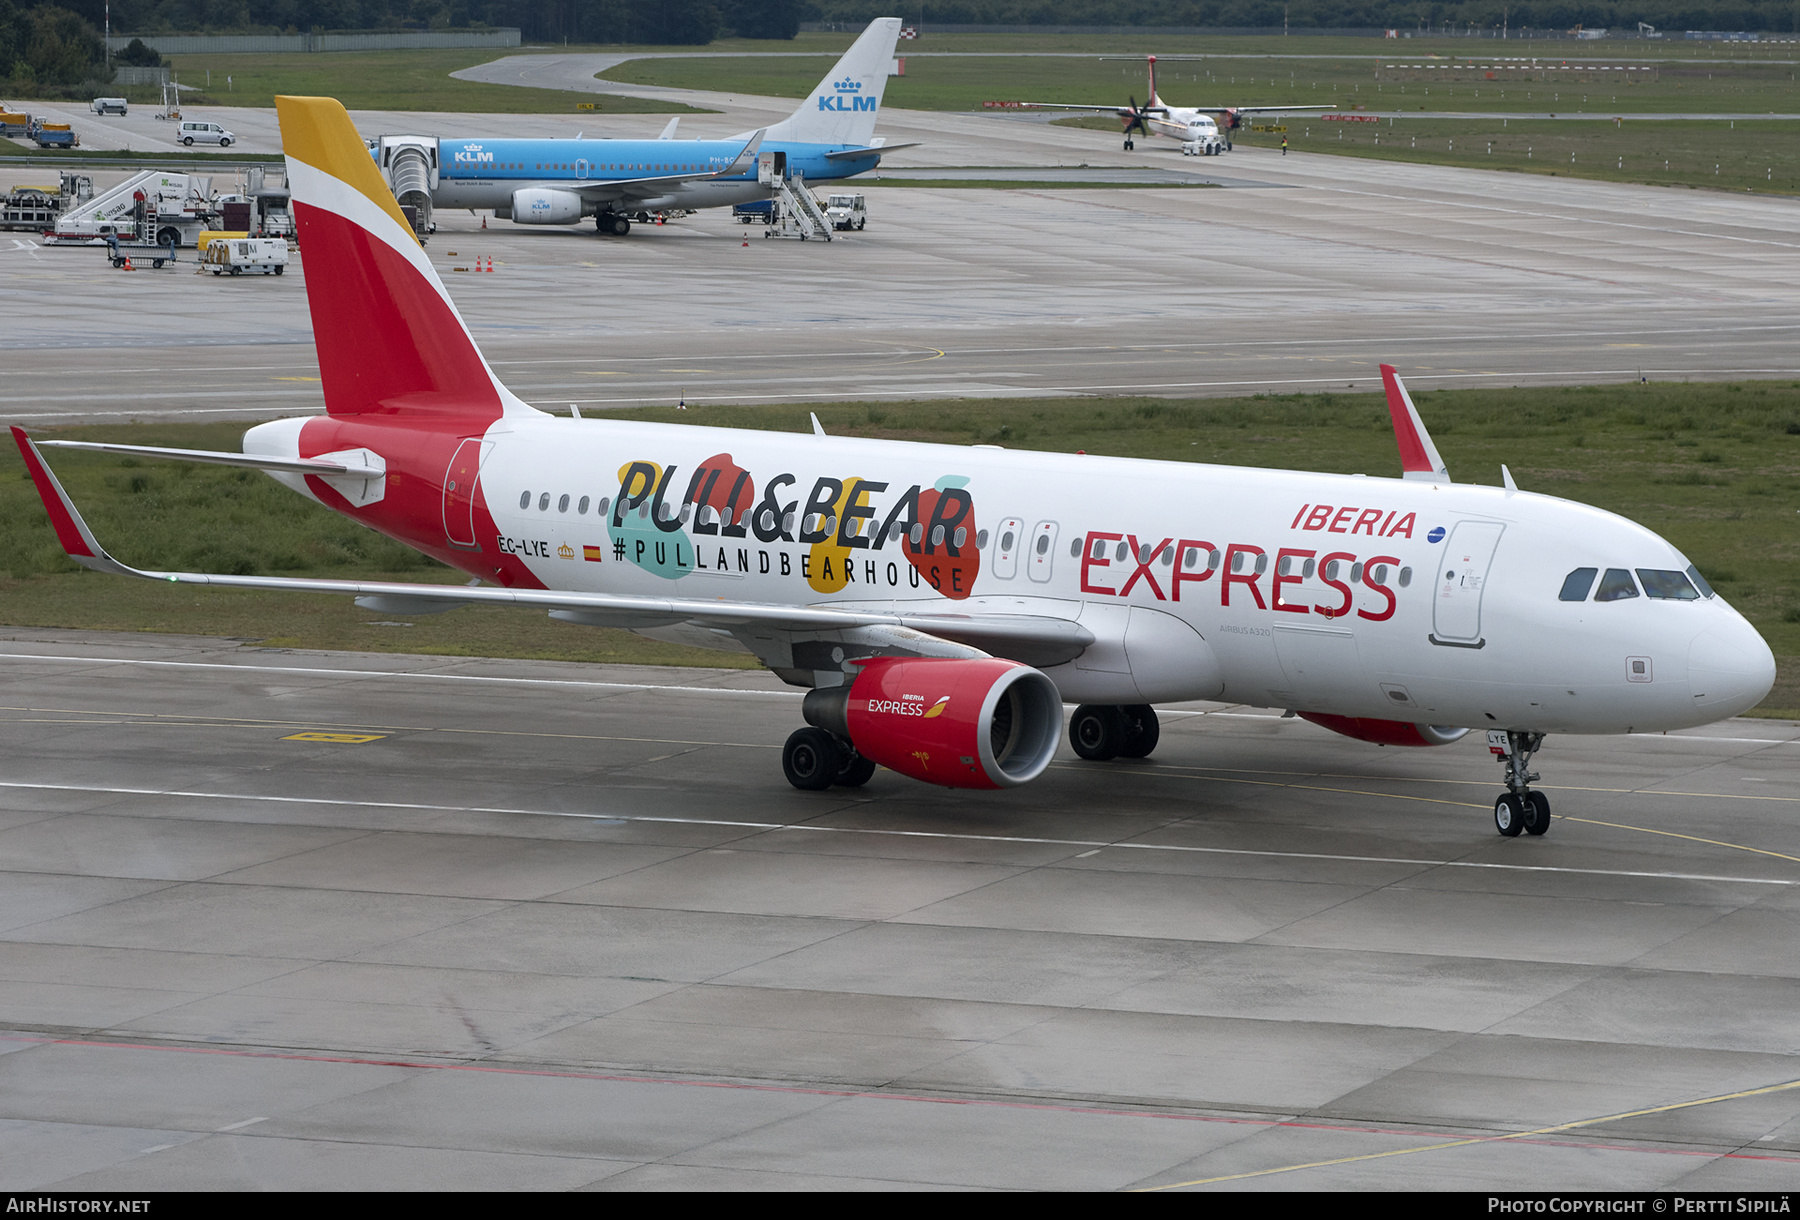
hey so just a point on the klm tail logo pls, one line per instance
(847, 96)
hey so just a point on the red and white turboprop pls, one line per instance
(943, 603)
(1202, 131)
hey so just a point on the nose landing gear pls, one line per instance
(1519, 809)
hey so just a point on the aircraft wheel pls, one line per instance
(1537, 813)
(1129, 146)
(811, 759)
(1097, 731)
(855, 771)
(1141, 731)
(1509, 814)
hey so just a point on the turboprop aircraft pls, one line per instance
(1195, 128)
(559, 182)
(942, 603)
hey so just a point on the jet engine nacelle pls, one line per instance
(1386, 732)
(541, 206)
(981, 723)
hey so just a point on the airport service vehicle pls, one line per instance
(108, 105)
(31, 208)
(53, 135)
(940, 604)
(151, 207)
(1202, 131)
(194, 131)
(846, 212)
(562, 182)
(236, 255)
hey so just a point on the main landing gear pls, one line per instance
(1101, 731)
(813, 760)
(612, 222)
(1519, 808)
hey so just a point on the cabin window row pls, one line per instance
(569, 165)
(1617, 585)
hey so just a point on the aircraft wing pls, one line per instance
(1046, 639)
(1257, 109)
(645, 188)
(1123, 112)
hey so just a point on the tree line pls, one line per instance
(59, 43)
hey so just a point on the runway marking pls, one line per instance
(348, 739)
(424, 1065)
(400, 673)
(805, 827)
(1691, 838)
(1484, 1139)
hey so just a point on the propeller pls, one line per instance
(1136, 118)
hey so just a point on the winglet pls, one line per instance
(76, 538)
(750, 147)
(1418, 456)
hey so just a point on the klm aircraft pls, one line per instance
(561, 182)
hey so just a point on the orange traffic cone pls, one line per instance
(484, 222)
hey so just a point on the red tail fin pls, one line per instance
(388, 336)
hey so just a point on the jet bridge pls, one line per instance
(409, 165)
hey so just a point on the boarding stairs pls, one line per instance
(798, 213)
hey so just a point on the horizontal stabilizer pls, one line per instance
(874, 150)
(362, 463)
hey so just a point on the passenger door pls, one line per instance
(1462, 576)
(459, 494)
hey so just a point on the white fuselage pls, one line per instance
(1434, 603)
(1187, 127)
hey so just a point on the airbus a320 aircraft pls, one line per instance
(1195, 128)
(942, 603)
(830, 135)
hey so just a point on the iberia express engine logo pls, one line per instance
(842, 532)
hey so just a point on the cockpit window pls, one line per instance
(1699, 580)
(1577, 583)
(1616, 585)
(1673, 586)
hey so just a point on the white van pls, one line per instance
(193, 132)
(846, 212)
(108, 105)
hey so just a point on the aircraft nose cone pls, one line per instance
(1730, 669)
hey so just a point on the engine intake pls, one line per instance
(1386, 732)
(983, 723)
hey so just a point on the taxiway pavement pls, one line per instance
(274, 919)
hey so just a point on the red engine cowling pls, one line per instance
(1386, 732)
(983, 723)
